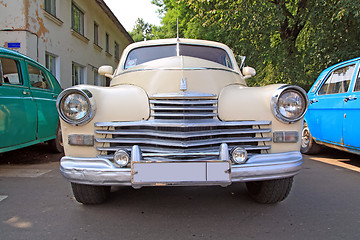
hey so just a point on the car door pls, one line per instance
(327, 105)
(18, 117)
(43, 93)
(351, 125)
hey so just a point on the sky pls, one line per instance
(127, 11)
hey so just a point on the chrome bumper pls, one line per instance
(101, 171)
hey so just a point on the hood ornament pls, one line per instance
(183, 86)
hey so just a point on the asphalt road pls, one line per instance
(37, 203)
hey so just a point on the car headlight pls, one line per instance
(121, 158)
(76, 106)
(289, 103)
(239, 155)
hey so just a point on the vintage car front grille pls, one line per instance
(186, 136)
(185, 124)
(181, 107)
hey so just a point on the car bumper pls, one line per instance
(101, 171)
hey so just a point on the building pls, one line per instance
(72, 38)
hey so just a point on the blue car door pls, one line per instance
(351, 125)
(327, 105)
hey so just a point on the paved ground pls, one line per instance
(37, 203)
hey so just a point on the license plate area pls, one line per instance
(145, 173)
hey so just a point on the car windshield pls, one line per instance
(145, 54)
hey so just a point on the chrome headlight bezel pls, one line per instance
(87, 97)
(279, 93)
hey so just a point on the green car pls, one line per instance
(28, 93)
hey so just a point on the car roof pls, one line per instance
(16, 54)
(326, 71)
(338, 64)
(181, 40)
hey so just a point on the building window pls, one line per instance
(107, 43)
(96, 33)
(77, 74)
(50, 7)
(97, 80)
(77, 19)
(117, 51)
(50, 63)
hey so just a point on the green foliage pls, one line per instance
(142, 31)
(287, 41)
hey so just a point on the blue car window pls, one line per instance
(357, 85)
(10, 71)
(338, 81)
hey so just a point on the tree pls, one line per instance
(287, 41)
(173, 10)
(142, 31)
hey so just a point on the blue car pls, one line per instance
(332, 118)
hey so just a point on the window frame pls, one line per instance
(48, 57)
(96, 33)
(45, 76)
(97, 77)
(116, 50)
(357, 81)
(107, 43)
(330, 77)
(182, 49)
(19, 72)
(80, 69)
(50, 7)
(81, 22)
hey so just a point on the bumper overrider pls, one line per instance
(101, 171)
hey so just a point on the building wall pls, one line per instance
(40, 33)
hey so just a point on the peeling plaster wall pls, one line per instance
(26, 22)
(11, 21)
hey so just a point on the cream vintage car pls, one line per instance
(178, 112)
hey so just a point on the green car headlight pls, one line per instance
(76, 106)
(289, 103)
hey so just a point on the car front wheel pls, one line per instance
(308, 145)
(270, 191)
(89, 194)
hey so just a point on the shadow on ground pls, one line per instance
(39, 153)
(341, 156)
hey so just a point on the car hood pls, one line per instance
(179, 74)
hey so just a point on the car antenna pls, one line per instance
(177, 29)
(177, 38)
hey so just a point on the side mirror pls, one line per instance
(248, 72)
(106, 71)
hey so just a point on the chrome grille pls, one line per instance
(183, 106)
(182, 136)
